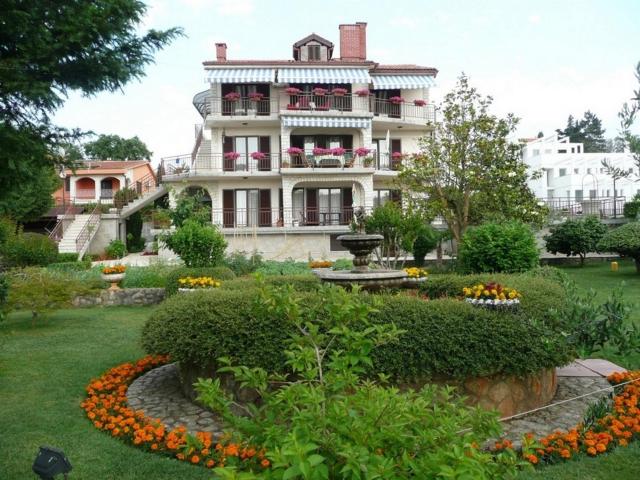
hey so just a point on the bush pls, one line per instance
(29, 249)
(4, 294)
(135, 242)
(632, 208)
(67, 257)
(197, 245)
(498, 247)
(576, 237)
(191, 207)
(8, 230)
(154, 276)
(70, 266)
(444, 337)
(115, 249)
(343, 264)
(243, 264)
(219, 273)
(288, 267)
(426, 240)
(624, 240)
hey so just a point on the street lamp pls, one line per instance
(51, 462)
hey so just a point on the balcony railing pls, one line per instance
(603, 207)
(329, 158)
(264, 107)
(278, 217)
(107, 193)
(85, 193)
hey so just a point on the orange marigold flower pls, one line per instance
(601, 447)
(210, 463)
(591, 451)
(265, 463)
(154, 446)
(195, 459)
(532, 459)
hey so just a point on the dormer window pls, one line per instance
(312, 48)
(314, 52)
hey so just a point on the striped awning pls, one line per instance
(241, 75)
(326, 122)
(323, 75)
(387, 82)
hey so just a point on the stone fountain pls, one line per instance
(360, 245)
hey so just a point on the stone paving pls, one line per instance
(159, 395)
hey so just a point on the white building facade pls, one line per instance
(289, 149)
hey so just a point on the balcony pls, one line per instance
(242, 108)
(220, 164)
(339, 218)
(334, 158)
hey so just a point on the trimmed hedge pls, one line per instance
(219, 273)
(300, 283)
(443, 337)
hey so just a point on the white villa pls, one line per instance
(576, 181)
(289, 148)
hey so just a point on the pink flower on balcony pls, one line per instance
(419, 103)
(255, 96)
(293, 91)
(319, 91)
(363, 92)
(321, 151)
(338, 151)
(232, 96)
(362, 152)
(396, 100)
(295, 151)
(258, 155)
(397, 155)
(339, 91)
(231, 156)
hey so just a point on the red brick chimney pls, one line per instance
(353, 41)
(221, 52)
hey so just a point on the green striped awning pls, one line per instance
(241, 75)
(388, 82)
(326, 122)
(323, 75)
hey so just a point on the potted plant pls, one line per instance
(339, 92)
(491, 295)
(396, 100)
(232, 96)
(113, 275)
(419, 103)
(338, 151)
(319, 91)
(231, 156)
(367, 162)
(258, 155)
(193, 284)
(321, 151)
(293, 91)
(295, 151)
(255, 96)
(363, 92)
(362, 151)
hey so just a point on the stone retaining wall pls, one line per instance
(125, 296)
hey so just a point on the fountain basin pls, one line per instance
(369, 279)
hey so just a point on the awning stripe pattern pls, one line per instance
(241, 75)
(323, 75)
(387, 82)
(326, 122)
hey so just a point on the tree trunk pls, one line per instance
(582, 257)
(439, 254)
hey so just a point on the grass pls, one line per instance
(43, 372)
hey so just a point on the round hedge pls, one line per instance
(443, 337)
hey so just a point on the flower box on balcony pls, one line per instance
(363, 92)
(419, 103)
(362, 151)
(338, 151)
(292, 107)
(255, 96)
(295, 151)
(396, 100)
(258, 155)
(293, 91)
(397, 155)
(319, 91)
(339, 92)
(231, 156)
(321, 151)
(232, 96)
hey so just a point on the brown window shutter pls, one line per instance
(347, 206)
(227, 146)
(347, 142)
(265, 208)
(228, 209)
(396, 146)
(395, 196)
(265, 147)
(312, 206)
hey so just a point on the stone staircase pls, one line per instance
(71, 241)
(142, 201)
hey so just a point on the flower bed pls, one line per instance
(491, 295)
(114, 270)
(106, 407)
(320, 264)
(198, 283)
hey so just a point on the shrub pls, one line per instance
(218, 273)
(343, 264)
(135, 242)
(4, 294)
(288, 267)
(154, 276)
(243, 264)
(498, 247)
(115, 249)
(70, 266)
(443, 337)
(8, 230)
(576, 237)
(28, 249)
(190, 207)
(123, 196)
(67, 257)
(624, 240)
(300, 283)
(632, 208)
(426, 240)
(197, 245)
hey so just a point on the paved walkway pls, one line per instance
(159, 395)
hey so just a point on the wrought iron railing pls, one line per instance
(243, 106)
(603, 207)
(68, 215)
(280, 217)
(87, 230)
(329, 158)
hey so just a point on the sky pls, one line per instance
(541, 60)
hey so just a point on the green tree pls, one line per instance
(197, 245)
(114, 147)
(30, 196)
(627, 116)
(190, 206)
(587, 131)
(469, 170)
(48, 49)
(624, 240)
(576, 237)
(616, 173)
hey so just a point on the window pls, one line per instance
(246, 208)
(548, 150)
(313, 52)
(562, 151)
(536, 152)
(322, 206)
(578, 195)
(593, 194)
(562, 172)
(576, 170)
(588, 171)
(380, 197)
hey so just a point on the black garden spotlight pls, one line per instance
(51, 462)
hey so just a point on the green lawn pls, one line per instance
(44, 369)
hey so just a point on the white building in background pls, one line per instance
(571, 178)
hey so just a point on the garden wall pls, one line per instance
(125, 296)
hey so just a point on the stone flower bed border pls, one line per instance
(106, 407)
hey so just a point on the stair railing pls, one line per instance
(85, 234)
(58, 231)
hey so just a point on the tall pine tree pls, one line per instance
(587, 131)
